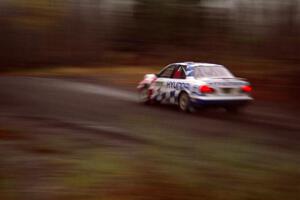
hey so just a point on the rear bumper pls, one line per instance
(221, 101)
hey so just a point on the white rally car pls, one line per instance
(190, 85)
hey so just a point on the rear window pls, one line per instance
(212, 72)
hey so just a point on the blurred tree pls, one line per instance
(75, 32)
(158, 22)
(25, 27)
(37, 14)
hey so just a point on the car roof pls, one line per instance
(193, 64)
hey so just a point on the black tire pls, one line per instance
(184, 103)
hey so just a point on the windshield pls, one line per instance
(212, 72)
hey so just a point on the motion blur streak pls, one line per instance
(69, 139)
(97, 89)
(70, 126)
(47, 32)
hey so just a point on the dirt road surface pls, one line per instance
(55, 130)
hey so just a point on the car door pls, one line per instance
(178, 83)
(161, 86)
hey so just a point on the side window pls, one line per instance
(179, 73)
(183, 70)
(167, 73)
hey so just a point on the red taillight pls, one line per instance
(247, 88)
(206, 89)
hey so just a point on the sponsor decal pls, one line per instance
(178, 85)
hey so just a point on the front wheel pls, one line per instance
(144, 95)
(184, 103)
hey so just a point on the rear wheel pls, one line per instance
(184, 103)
